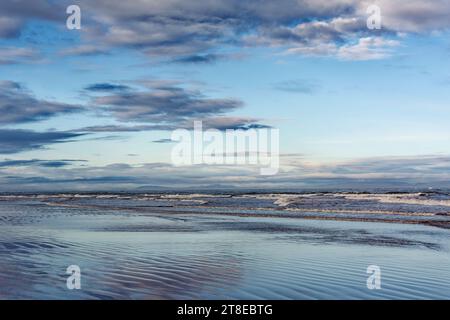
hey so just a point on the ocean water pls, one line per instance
(246, 246)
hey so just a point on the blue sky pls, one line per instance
(356, 108)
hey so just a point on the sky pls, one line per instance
(93, 109)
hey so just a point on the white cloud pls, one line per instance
(369, 48)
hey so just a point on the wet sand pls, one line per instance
(219, 247)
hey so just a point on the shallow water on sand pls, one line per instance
(161, 255)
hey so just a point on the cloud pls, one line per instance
(404, 166)
(308, 33)
(365, 48)
(194, 32)
(84, 50)
(370, 48)
(14, 15)
(164, 105)
(164, 141)
(17, 140)
(121, 128)
(38, 162)
(198, 59)
(15, 55)
(190, 32)
(414, 15)
(396, 173)
(346, 38)
(106, 87)
(219, 123)
(18, 105)
(9, 27)
(229, 123)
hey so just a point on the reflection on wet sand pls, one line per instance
(137, 249)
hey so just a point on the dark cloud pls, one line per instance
(16, 140)
(10, 27)
(14, 15)
(189, 30)
(106, 87)
(38, 162)
(164, 141)
(53, 181)
(198, 59)
(219, 123)
(254, 126)
(174, 104)
(120, 128)
(232, 123)
(18, 105)
(193, 31)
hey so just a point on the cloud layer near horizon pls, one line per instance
(388, 173)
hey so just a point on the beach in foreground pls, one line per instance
(223, 246)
